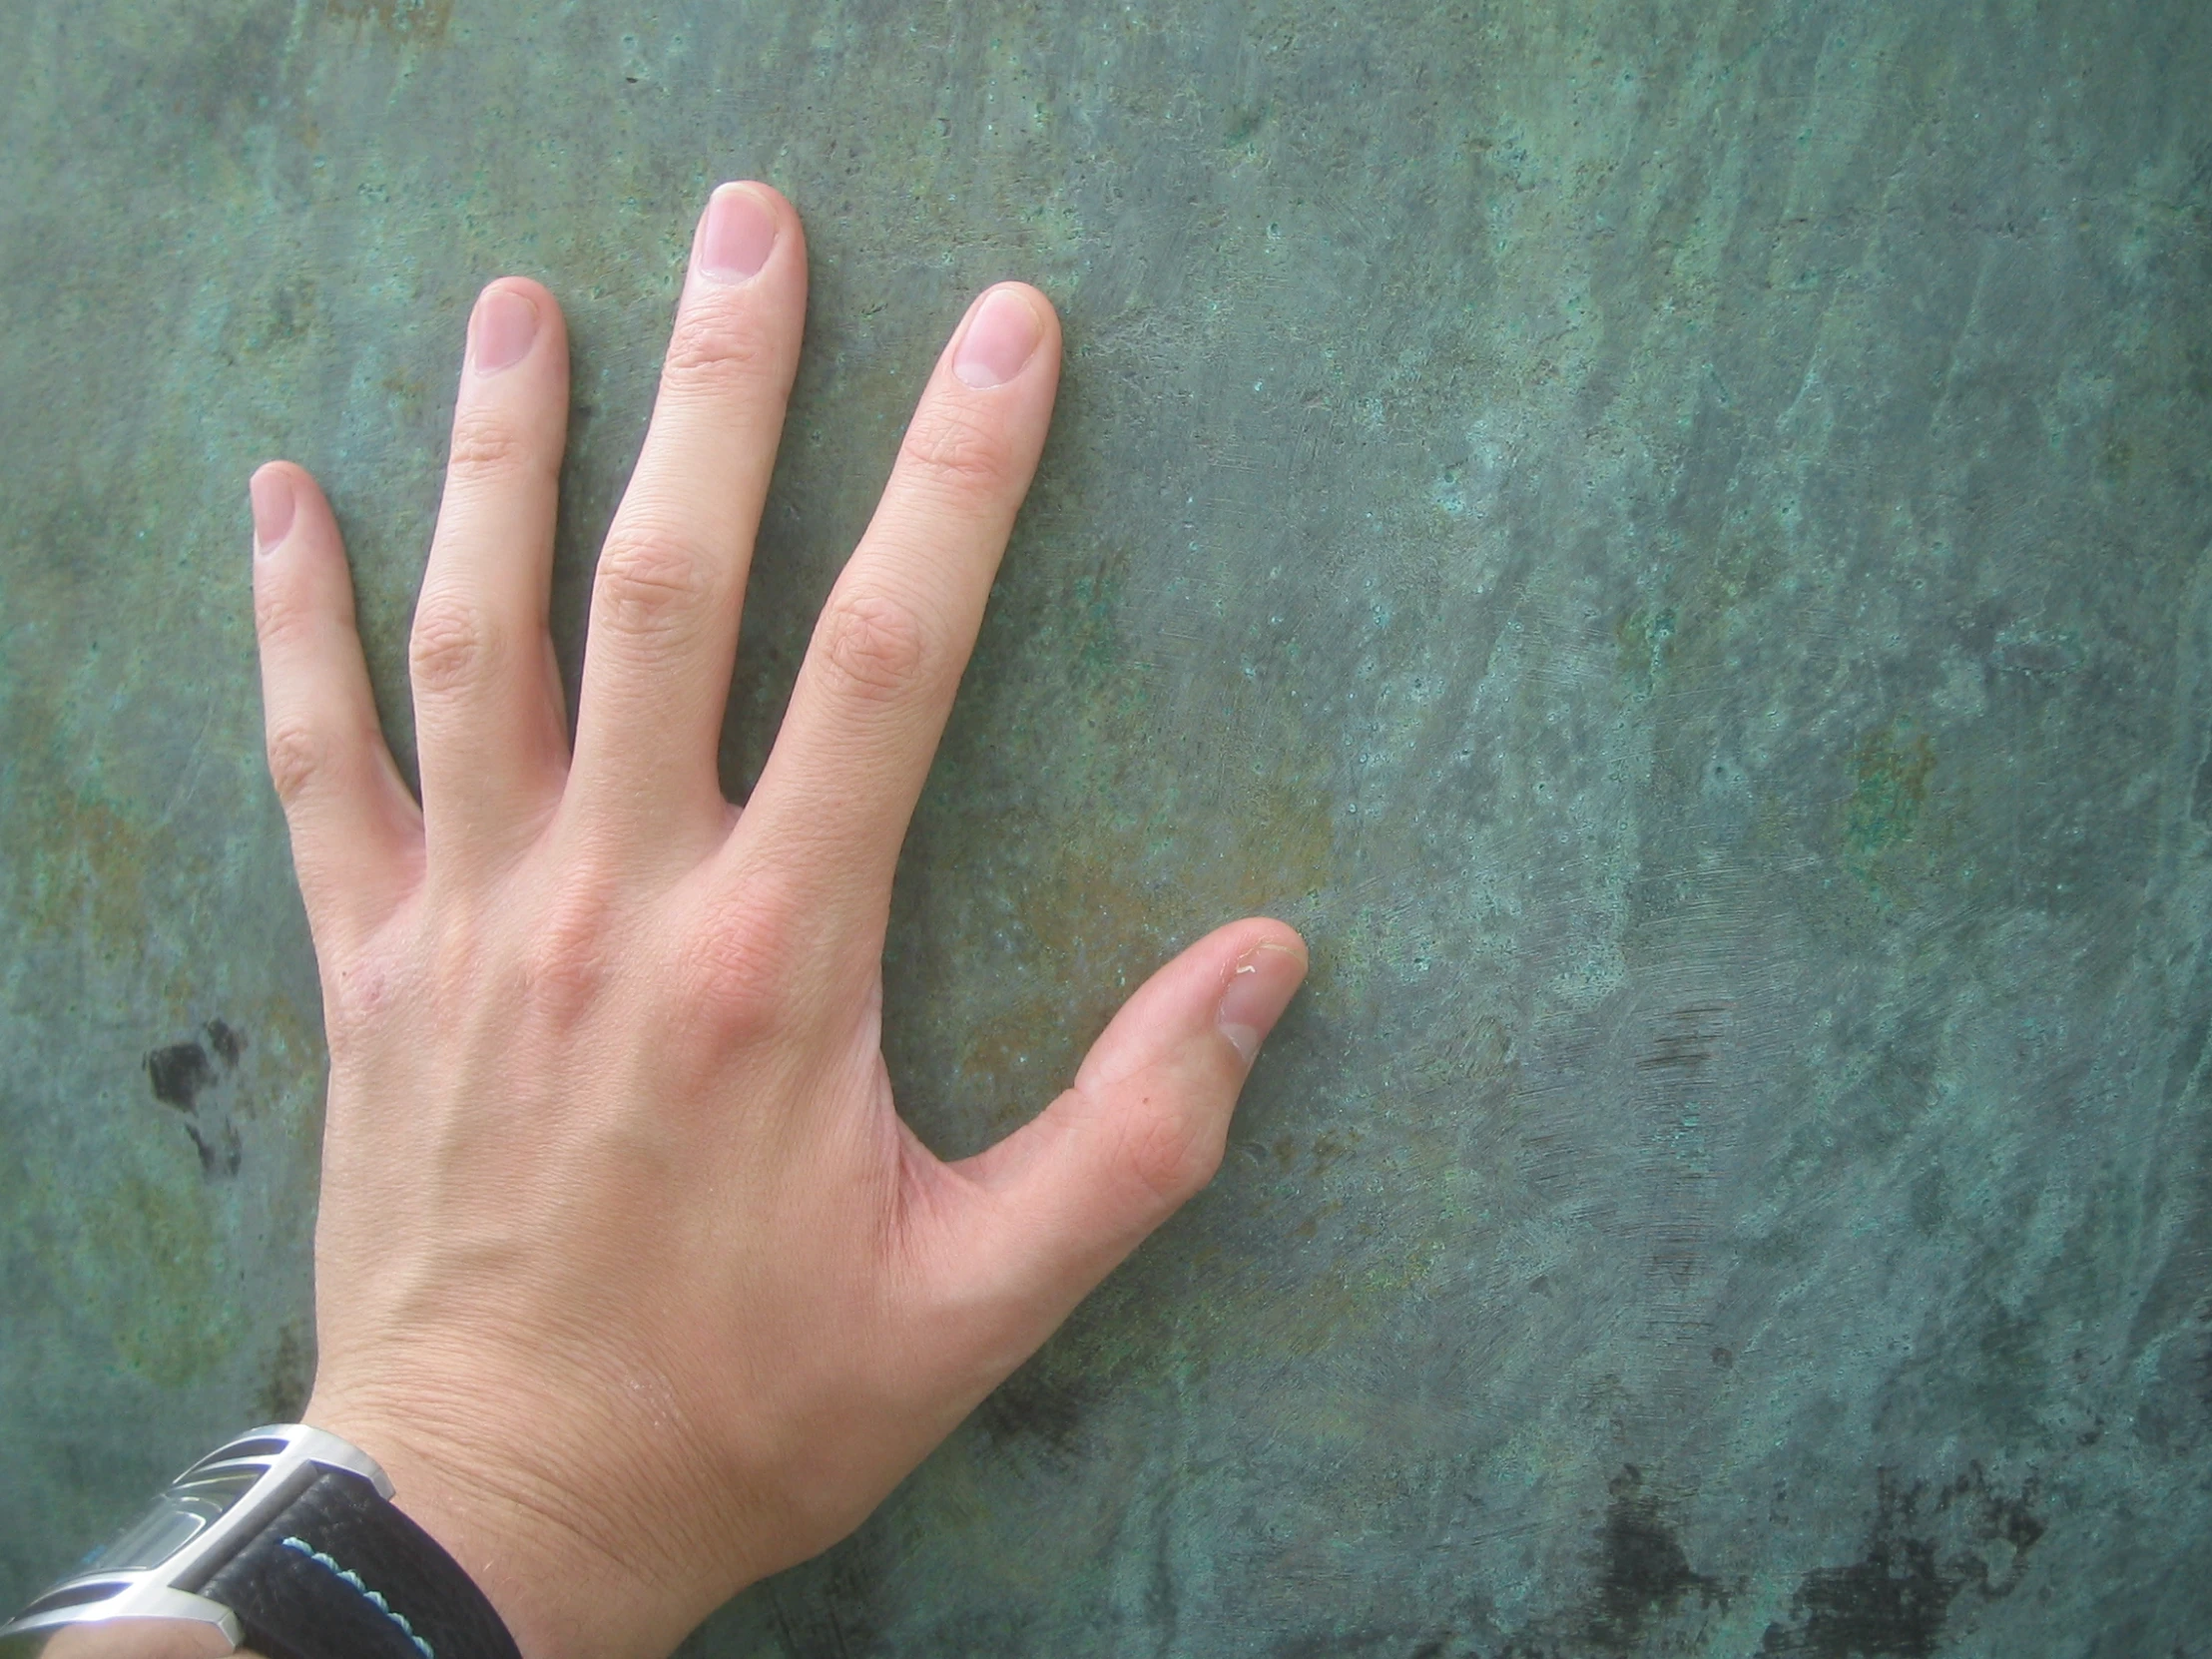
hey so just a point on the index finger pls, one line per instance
(871, 697)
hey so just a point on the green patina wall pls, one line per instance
(1674, 540)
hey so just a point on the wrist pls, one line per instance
(563, 1591)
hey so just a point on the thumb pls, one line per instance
(1063, 1199)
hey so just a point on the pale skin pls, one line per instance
(628, 1271)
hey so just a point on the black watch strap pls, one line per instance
(339, 1573)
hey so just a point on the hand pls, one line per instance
(626, 1269)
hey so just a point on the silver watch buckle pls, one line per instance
(264, 1468)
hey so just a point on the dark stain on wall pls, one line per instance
(1642, 1569)
(1894, 1601)
(180, 1074)
(228, 1042)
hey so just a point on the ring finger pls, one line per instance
(487, 691)
(879, 679)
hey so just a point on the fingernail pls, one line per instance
(739, 237)
(505, 323)
(1000, 336)
(1261, 987)
(270, 492)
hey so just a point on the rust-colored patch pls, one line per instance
(81, 877)
(1889, 790)
(142, 1252)
(417, 19)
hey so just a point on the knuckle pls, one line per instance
(877, 646)
(300, 753)
(485, 443)
(651, 582)
(366, 985)
(452, 647)
(734, 973)
(282, 616)
(567, 960)
(716, 349)
(950, 446)
(1170, 1153)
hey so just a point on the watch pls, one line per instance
(283, 1540)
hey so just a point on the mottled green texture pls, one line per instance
(1674, 539)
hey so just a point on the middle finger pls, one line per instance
(670, 577)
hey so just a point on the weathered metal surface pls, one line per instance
(1674, 540)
